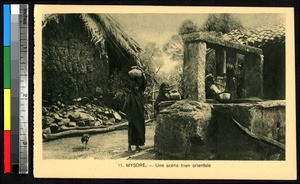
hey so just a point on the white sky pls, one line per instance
(159, 28)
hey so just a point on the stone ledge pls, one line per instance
(208, 38)
(258, 104)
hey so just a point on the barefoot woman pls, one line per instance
(134, 108)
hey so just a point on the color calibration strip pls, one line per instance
(7, 89)
(15, 88)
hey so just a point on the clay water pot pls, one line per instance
(135, 73)
(224, 96)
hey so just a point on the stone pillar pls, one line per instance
(193, 80)
(221, 61)
(232, 57)
(231, 80)
(253, 68)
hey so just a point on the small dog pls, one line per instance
(85, 138)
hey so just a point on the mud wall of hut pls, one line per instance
(72, 65)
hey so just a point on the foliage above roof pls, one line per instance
(257, 37)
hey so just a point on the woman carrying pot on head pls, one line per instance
(134, 108)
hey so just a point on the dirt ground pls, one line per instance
(111, 145)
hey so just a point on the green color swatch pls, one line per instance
(6, 53)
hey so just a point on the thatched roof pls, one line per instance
(103, 27)
(258, 37)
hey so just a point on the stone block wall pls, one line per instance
(269, 120)
(72, 65)
(192, 130)
(261, 118)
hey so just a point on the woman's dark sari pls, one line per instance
(134, 108)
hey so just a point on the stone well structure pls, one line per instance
(195, 129)
(195, 46)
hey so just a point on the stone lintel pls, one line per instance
(215, 41)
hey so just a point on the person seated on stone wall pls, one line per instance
(212, 91)
(163, 95)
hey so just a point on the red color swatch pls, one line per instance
(7, 151)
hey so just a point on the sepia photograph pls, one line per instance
(172, 90)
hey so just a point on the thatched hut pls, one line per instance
(271, 40)
(80, 51)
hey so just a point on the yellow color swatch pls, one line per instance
(7, 109)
